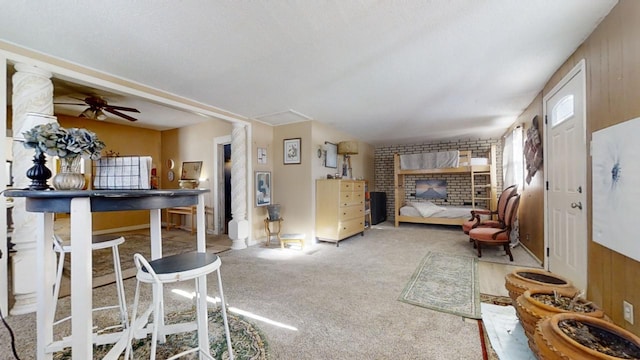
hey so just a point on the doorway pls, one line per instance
(566, 177)
(227, 187)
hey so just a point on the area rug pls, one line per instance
(447, 283)
(173, 242)
(247, 341)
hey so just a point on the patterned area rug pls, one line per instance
(173, 242)
(447, 283)
(247, 341)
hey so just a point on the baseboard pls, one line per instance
(121, 229)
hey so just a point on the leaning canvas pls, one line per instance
(615, 170)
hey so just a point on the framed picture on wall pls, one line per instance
(191, 170)
(263, 188)
(292, 151)
(331, 155)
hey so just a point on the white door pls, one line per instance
(566, 174)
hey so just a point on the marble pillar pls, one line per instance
(32, 92)
(238, 226)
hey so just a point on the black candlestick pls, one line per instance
(39, 173)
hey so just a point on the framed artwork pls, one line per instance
(263, 188)
(615, 170)
(191, 170)
(431, 189)
(292, 151)
(331, 155)
(262, 155)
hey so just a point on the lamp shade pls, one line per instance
(32, 120)
(348, 147)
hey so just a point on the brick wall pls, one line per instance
(458, 185)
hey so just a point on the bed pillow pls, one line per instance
(427, 208)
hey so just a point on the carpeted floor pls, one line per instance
(326, 302)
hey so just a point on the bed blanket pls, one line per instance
(434, 160)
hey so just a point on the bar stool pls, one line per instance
(174, 268)
(97, 242)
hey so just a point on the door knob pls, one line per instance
(576, 205)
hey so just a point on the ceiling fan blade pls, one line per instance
(107, 109)
(121, 108)
(60, 103)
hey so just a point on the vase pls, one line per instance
(558, 337)
(274, 211)
(69, 177)
(521, 280)
(530, 310)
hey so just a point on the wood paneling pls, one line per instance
(612, 54)
(531, 210)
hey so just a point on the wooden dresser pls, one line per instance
(339, 209)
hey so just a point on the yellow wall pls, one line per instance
(293, 183)
(192, 143)
(125, 140)
(262, 137)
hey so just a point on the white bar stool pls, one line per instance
(97, 242)
(173, 268)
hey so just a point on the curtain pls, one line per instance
(513, 170)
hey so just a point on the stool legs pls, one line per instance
(124, 318)
(224, 316)
(157, 308)
(117, 269)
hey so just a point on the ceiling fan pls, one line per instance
(98, 105)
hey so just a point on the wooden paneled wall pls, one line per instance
(612, 54)
(531, 209)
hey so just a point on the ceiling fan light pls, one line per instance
(88, 113)
(99, 115)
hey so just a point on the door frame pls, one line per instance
(579, 67)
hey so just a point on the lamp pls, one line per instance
(93, 113)
(87, 113)
(347, 148)
(30, 121)
(99, 115)
(38, 173)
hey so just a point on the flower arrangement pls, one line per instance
(54, 140)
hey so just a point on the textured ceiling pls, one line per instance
(382, 71)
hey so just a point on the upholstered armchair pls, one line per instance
(497, 236)
(476, 219)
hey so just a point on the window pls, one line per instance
(563, 110)
(513, 158)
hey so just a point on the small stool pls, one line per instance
(292, 238)
(267, 229)
(169, 269)
(97, 242)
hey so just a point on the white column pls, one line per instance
(238, 226)
(32, 92)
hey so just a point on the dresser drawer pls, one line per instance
(350, 212)
(348, 198)
(346, 185)
(357, 198)
(350, 227)
(358, 186)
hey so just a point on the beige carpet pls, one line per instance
(326, 302)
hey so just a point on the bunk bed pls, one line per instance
(482, 173)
